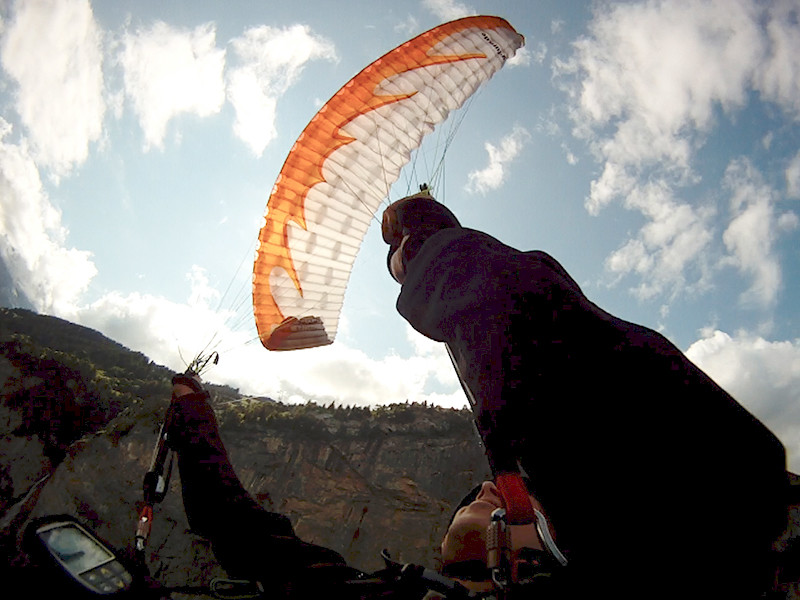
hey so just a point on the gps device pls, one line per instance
(63, 543)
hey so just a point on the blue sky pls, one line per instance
(652, 147)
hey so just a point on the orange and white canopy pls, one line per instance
(341, 168)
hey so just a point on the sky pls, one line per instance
(652, 147)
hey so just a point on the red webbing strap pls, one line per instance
(144, 526)
(519, 510)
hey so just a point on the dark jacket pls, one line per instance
(249, 541)
(652, 474)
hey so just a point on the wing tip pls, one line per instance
(297, 334)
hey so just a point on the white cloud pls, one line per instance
(167, 332)
(269, 61)
(408, 27)
(653, 73)
(171, 333)
(788, 221)
(523, 56)
(793, 177)
(763, 375)
(673, 250)
(751, 234)
(345, 375)
(33, 241)
(675, 237)
(348, 376)
(493, 175)
(52, 49)
(646, 85)
(778, 78)
(169, 72)
(448, 10)
(614, 182)
(203, 294)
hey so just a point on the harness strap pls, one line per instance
(519, 510)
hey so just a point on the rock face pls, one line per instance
(354, 480)
(359, 482)
(46, 409)
(76, 437)
(357, 494)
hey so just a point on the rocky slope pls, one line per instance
(75, 439)
(78, 419)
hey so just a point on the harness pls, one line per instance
(505, 569)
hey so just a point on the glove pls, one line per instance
(190, 420)
(417, 218)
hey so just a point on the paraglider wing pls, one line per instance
(343, 164)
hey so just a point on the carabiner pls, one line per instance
(498, 549)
